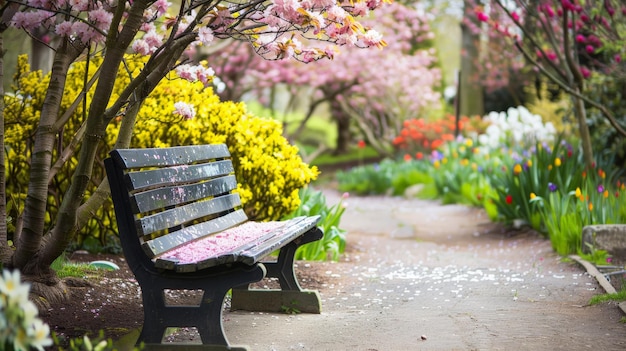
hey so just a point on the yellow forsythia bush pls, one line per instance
(269, 169)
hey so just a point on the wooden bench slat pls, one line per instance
(160, 245)
(177, 155)
(293, 229)
(185, 214)
(178, 174)
(169, 196)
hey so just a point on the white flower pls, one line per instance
(516, 127)
(40, 335)
(20, 329)
(30, 311)
(12, 287)
(184, 109)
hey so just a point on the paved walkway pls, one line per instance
(421, 276)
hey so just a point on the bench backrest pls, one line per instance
(167, 197)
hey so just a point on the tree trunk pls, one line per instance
(103, 192)
(29, 240)
(471, 93)
(583, 129)
(343, 128)
(5, 252)
(66, 223)
(41, 56)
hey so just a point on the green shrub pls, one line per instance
(334, 241)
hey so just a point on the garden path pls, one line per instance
(418, 275)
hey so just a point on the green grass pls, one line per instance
(65, 269)
(354, 155)
(618, 297)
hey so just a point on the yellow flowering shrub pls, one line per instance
(269, 169)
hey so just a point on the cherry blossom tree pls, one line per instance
(566, 41)
(305, 31)
(374, 89)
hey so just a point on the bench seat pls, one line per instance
(246, 243)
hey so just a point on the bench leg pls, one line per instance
(206, 317)
(291, 297)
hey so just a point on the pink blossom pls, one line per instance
(580, 38)
(618, 58)
(482, 17)
(205, 75)
(85, 33)
(360, 9)
(585, 72)
(147, 27)
(336, 13)
(161, 6)
(22, 20)
(153, 40)
(323, 3)
(79, 5)
(186, 72)
(100, 18)
(187, 111)
(609, 9)
(372, 38)
(309, 56)
(551, 56)
(41, 4)
(590, 49)
(205, 34)
(515, 16)
(567, 5)
(64, 29)
(141, 47)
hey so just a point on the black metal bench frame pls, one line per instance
(168, 197)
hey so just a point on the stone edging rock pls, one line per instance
(604, 283)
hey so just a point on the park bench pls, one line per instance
(182, 227)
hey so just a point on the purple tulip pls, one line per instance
(552, 187)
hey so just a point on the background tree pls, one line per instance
(84, 27)
(567, 42)
(372, 91)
